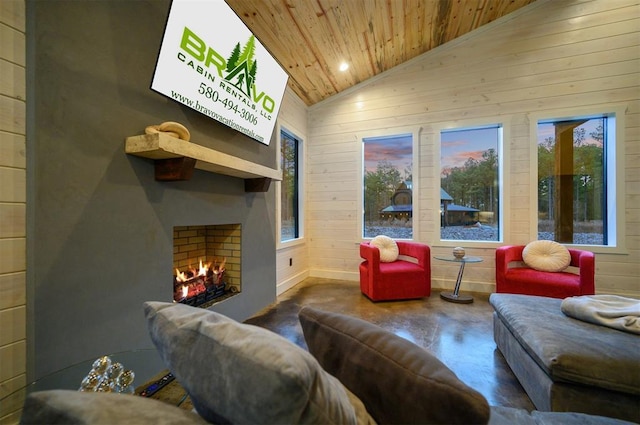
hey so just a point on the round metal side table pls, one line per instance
(455, 296)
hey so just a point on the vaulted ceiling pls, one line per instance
(311, 38)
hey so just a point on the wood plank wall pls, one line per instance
(12, 199)
(545, 57)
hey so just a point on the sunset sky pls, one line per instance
(397, 150)
(546, 130)
(458, 146)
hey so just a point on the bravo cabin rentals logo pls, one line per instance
(236, 75)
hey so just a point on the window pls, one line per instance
(470, 195)
(290, 187)
(574, 191)
(388, 186)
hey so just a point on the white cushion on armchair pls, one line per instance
(546, 256)
(388, 248)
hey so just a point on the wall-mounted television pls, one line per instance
(211, 62)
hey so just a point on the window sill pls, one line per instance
(290, 243)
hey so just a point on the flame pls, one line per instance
(181, 276)
(203, 269)
(219, 268)
(195, 281)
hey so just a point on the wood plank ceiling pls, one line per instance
(311, 38)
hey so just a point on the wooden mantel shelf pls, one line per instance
(175, 159)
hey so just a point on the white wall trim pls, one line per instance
(282, 287)
(335, 274)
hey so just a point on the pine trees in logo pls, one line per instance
(241, 67)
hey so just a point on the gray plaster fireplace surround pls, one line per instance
(100, 226)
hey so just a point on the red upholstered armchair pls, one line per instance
(525, 280)
(397, 280)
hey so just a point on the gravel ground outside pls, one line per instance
(480, 233)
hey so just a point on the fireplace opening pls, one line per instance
(206, 263)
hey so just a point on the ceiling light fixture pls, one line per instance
(344, 66)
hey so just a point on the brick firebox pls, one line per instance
(210, 243)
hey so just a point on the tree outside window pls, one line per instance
(289, 192)
(572, 186)
(469, 191)
(388, 186)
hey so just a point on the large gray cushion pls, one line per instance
(570, 350)
(74, 407)
(243, 374)
(511, 416)
(399, 382)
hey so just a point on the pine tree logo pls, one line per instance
(242, 68)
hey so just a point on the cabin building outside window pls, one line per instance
(470, 193)
(388, 186)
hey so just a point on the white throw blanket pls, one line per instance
(608, 310)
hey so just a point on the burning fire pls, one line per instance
(202, 271)
(196, 281)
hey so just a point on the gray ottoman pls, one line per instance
(565, 364)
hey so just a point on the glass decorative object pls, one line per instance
(114, 371)
(101, 364)
(125, 382)
(90, 382)
(108, 376)
(105, 386)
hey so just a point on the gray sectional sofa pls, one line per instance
(353, 373)
(566, 364)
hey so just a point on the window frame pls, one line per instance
(503, 161)
(300, 184)
(614, 154)
(415, 169)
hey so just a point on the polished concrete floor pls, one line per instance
(460, 335)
